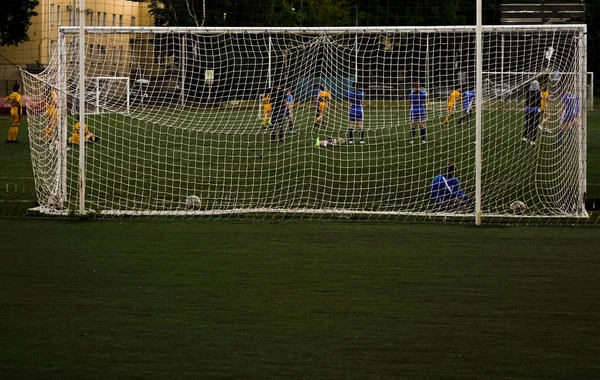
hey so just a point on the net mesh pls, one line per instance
(183, 113)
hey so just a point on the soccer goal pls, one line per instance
(193, 145)
(108, 94)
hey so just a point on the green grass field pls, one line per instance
(264, 299)
(152, 161)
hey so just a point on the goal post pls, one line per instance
(175, 110)
(108, 94)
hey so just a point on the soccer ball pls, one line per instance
(518, 207)
(192, 203)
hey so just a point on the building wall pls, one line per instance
(43, 32)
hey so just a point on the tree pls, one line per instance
(15, 20)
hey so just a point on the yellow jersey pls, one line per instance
(322, 98)
(453, 99)
(545, 96)
(267, 106)
(51, 107)
(14, 100)
(75, 136)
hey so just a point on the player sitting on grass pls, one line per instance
(89, 137)
(453, 99)
(468, 107)
(447, 194)
(267, 110)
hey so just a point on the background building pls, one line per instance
(35, 54)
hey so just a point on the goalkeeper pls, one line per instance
(453, 99)
(447, 194)
(89, 137)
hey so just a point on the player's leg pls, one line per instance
(361, 130)
(422, 129)
(413, 126)
(351, 125)
(13, 132)
(318, 116)
(449, 116)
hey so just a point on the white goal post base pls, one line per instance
(175, 111)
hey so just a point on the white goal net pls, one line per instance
(352, 122)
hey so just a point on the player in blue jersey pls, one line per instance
(447, 194)
(355, 116)
(289, 108)
(569, 114)
(468, 107)
(418, 112)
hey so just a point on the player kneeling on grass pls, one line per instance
(88, 136)
(447, 194)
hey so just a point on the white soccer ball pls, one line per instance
(518, 207)
(192, 203)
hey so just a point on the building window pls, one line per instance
(114, 20)
(104, 19)
(99, 23)
(102, 52)
(92, 19)
(113, 54)
(132, 21)
(51, 14)
(120, 20)
(120, 54)
(58, 15)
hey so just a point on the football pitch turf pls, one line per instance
(267, 299)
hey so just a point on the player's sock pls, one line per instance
(351, 134)
(362, 134)
(445, 120)
(12, 133)
(423, 134)
(9, 137)
(413, 132)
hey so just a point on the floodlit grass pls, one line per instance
(172, 298)
(152, 161)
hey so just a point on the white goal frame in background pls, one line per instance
(353, 69)
(99, 95)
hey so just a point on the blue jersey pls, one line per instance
(356, 110)
(356, 98)
(443, 188)
(417, 100)
(570, 104)
(468, 100)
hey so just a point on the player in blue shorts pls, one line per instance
(418, 112)
(355, 117)
(569, 114)
(289, 108)
(468, 107)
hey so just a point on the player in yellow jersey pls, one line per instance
(52, 117)
(323, 98)
(545, 99)
(267, 110)
(89, 137)
(453, 100)
(16, 112)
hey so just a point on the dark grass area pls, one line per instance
(321, 300)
